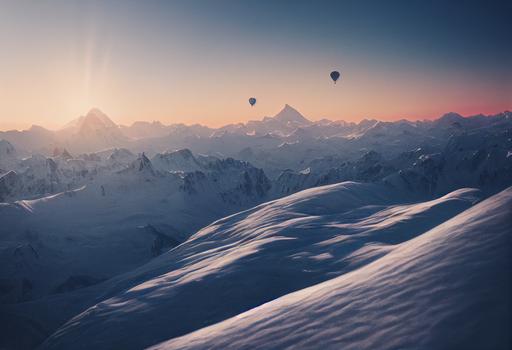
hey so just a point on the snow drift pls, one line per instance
(449, 288)
(283, 246)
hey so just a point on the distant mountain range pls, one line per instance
(428, 157)
(112, 235)
(96, 131)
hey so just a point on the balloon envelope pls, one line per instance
(335, 75)
(252, 101)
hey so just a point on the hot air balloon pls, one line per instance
(252, 101)
(335, 75)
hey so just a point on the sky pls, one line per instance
(192, 61)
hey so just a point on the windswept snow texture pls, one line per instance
(258, 255)
(449, 288)
(99, 240)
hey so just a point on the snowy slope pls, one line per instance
(75, 226)
(251, 258)
(449, 288)
(132, 212)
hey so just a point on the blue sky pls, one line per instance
(199, 61)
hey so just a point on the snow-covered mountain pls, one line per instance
(448, 288)
(429, 158)
(36, 139)
(348, 238)
(107, 213)
(37, 176)
(180, 160)
(476, 158)
(285, 141)
(109, 236)
(94, 120)
(92, 132)
(283, 123)
(34, 176)
(89, 133)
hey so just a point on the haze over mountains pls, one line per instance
(293, 152)
(95, 131)
(111, 234)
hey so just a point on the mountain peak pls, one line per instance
(97, 118)
(178, 160)
(289, 114)
(95, 111)
(450, 119)
(94, 119)
(38, 129)
(451, 116)
(144, 164)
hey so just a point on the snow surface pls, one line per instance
(132, 212)
(449, 288)
(251, 258)
(90, 242)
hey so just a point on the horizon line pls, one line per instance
(391, 120)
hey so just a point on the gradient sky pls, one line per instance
(199, 61)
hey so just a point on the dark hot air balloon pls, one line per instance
(335, 75)
(252, 101)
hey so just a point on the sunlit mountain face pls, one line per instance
(270, 175)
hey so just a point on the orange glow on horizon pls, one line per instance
(61, 95)
(178, 65)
